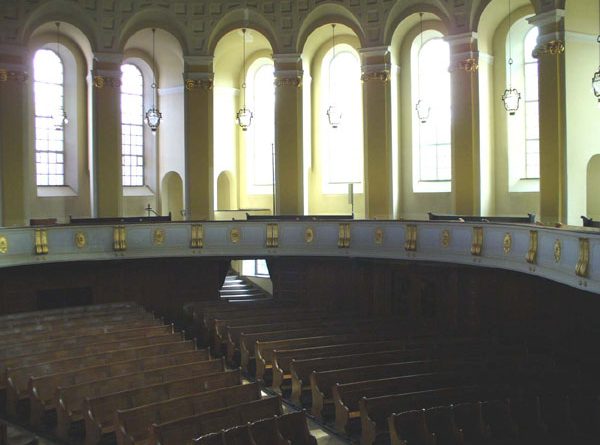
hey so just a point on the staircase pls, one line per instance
(237, 288)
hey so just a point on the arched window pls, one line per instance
(523, 138)
(532, 125)
(261, 134)
(132, 125)
(344, 144)
(432, 162)
(49, 104)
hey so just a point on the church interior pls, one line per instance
(270, 222)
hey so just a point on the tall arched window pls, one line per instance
(261, 134)
(523, 138)
(344, 144)
(432, 162)
(532, 125)
(48, 101)
(132, 125)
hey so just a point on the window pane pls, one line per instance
(48, 90)
(132, 125)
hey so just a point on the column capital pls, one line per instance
(462, 55)
(12, 65)
(107, 70)
(376, 64)
(198, 79)
(551, 38)
(288, 69)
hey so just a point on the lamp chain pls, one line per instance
(244, 65)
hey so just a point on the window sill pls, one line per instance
(63, 191)
(432, 187)
(525, 186)
(137, 191)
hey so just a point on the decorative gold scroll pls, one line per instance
(119, 238)
(382, 76)
(80, 240)
(309, 235)
(553, 48)
(3, 244)
(295, 81)
(41, 241)
(507, 243)
(272, 235)
(105, 81)
(470, 65)
(197, 241)
(584, 258)
(193, 84)
(557, 250)
(477, 241)
(10, 76)
(344, 235)
(410, 238)
(531, 256)
(445, 238)
(379, 235)
(235, 235)
(158, 237)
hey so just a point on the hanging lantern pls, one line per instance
(422, 107)
(596, 84)
(59, 117)
(153, 116)
(244, 115)
(334, 115)
(511, 98)
(423, 110)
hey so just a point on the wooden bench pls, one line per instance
(185, 430)
(62, 318)
(101, 358)
(346, 396)
(42, 387)
(70, 340)
(113, 307)
(259, 346)
(28, 336)
(132, 424)
(16, 386)
(69, 400)
(300, 370)
(489, 371)
(411, 427)
(529, 219)
(82, 319)
(374, 412)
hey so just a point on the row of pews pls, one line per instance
(385, 379)
(114, 373)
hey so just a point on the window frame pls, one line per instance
(436, 185)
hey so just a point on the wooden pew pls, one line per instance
(42, 387)
(184, 430)
(132, 424)
(60, 323)
(70, 340)
(260, 346)
(237, 435)
(183, 387)
(346, 396)
(57, 354)
(70, 399)
(266, 431)
(18, 337)
(410, 427)
(300, 370)
(216, 439)
(488, 370)
(113, 307)
(282, 358)
(293, 427)
(374, 412)
(102, 358)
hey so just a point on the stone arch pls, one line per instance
(154, 18)
(592, 208)
(172, 195)
(242, 18)
(81, 28)
(400, 12)
(225, 191)
(325, 14)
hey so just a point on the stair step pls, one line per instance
(248, 293)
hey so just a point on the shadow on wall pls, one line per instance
(172, 195)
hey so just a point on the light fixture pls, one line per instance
(596, 78)
(334, 114)
(511, 96)
(59, 118)
(244, 115)
(153, 116)
(422, 107)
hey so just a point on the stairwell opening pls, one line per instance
(247, 280)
